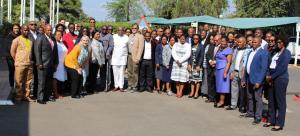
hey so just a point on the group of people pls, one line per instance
(45, 62)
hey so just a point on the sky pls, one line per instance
(96, 9)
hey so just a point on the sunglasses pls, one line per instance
(133, 28)
(92, 22)
(32, 24)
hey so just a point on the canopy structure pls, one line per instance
(240, 23)
(186, 20)
(248, 23)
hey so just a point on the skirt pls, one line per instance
(222, 85)
(196, 76)
(166, 74)
(180, 74)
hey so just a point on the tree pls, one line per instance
(265, 8)
(178, 8)
(124, 10)
(69, 9)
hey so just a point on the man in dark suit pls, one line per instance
(256, 71)
(191, 32)
(147, 64)
(211, 69)
(45, 51)
(33, 33)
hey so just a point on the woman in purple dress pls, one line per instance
(223, 62)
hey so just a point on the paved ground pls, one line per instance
(134, 114)
(137, 114)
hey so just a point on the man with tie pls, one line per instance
(33, 33)
(191, 32)
(256, 71)
(45, 51)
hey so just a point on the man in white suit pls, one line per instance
(119, 58)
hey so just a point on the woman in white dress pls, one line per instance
(119, 58)
(181, 53)
(60, 75)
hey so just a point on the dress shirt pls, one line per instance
(238, 59)
(250, 59)
(147, 51)
(33, 34)
(274, 60)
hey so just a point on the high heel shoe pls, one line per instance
(277, 129)
(220, 106)
(268, 125)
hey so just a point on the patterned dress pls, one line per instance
(195, 76)
(181, 53)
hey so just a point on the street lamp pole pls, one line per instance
(1, 12)
(57, 11)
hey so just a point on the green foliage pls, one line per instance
(5, 29)
(265, 8)
(114, 24)
(124, 10)
(179, 8)
(69, 9)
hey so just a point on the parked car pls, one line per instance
(292, 47)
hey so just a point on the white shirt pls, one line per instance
(250, 59)
(33, 34)
(120, 51)
(238, 59)
(264, 44)
(147, 51)
(157, 38)
(274, 60)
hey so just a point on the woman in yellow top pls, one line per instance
(74, 62)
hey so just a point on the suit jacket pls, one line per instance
(281, 69)
(138, 47)
(258, 67)
(198, 54)
(153, 47)
(210, 56)
(31, 37)
(235, 51)
(44, 53)
(108, 44)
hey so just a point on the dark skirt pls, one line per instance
(166, 74)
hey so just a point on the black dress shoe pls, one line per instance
(220, 106)
(41, 102)
(268, 125)
(215, 104)
(76, 97)
(246, 115)
(256, 121)
(277, 129)
(230, 108)
(51, 99)
(190, 96)
(196, 97)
